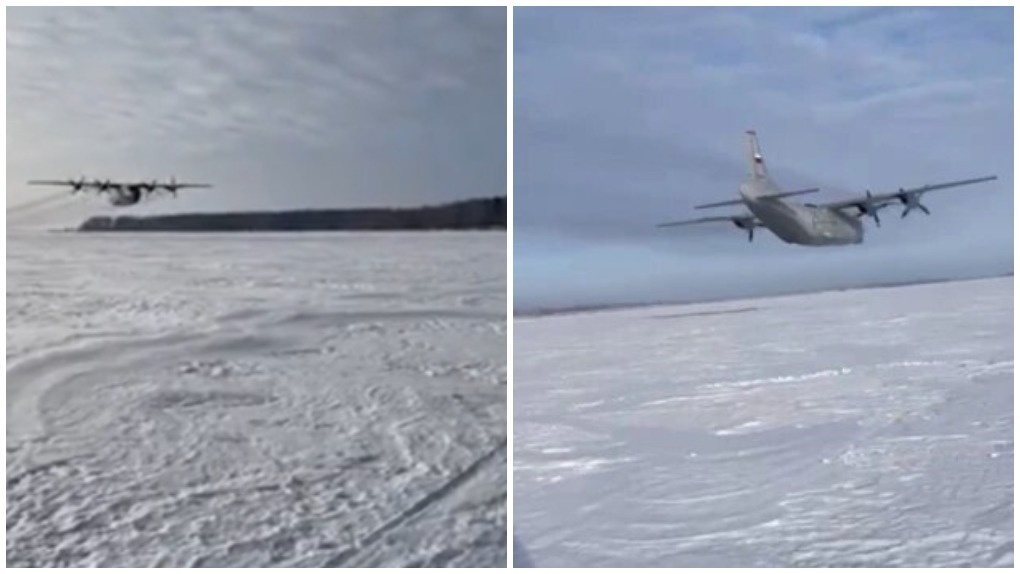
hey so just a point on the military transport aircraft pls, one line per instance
(121, 194)
(832, 223)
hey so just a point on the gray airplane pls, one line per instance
(832, 223)
(121, 194)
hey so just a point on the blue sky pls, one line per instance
(277, 107)
(627, 117)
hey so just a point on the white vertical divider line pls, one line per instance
(1016, 211)
(510, 282)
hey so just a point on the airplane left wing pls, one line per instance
(869, 204)
(55, 182)
(747, 221)
(738, 220)
(75, 185)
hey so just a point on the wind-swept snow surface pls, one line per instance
(859, 428)
(256, 400)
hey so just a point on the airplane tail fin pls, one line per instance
(756, 160)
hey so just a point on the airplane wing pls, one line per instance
(191, 185)
(738, 220)
(770, 196)
(51, 182)
(910, 198)
(744, 221)
(76, 185)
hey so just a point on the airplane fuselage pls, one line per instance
(122, 196)
(797, 223)
(119, 193)
(832, 223)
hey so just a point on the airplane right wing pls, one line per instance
(869, 204)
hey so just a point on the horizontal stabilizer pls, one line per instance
(792, 193)
(769, 196)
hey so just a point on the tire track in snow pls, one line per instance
(28, 380)
(430, 499)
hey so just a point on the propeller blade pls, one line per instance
(750, 234)
(924, 209)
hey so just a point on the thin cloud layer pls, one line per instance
(628, 117)
(278, 107)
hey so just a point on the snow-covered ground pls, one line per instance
(857, 428)
(256, 399)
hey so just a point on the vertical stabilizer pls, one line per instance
(755, 158)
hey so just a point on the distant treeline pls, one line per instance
(489, 213)
(539, 311)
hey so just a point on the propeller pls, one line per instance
(868, 208)
(911, 201)
(750, 234)
(77, 186)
